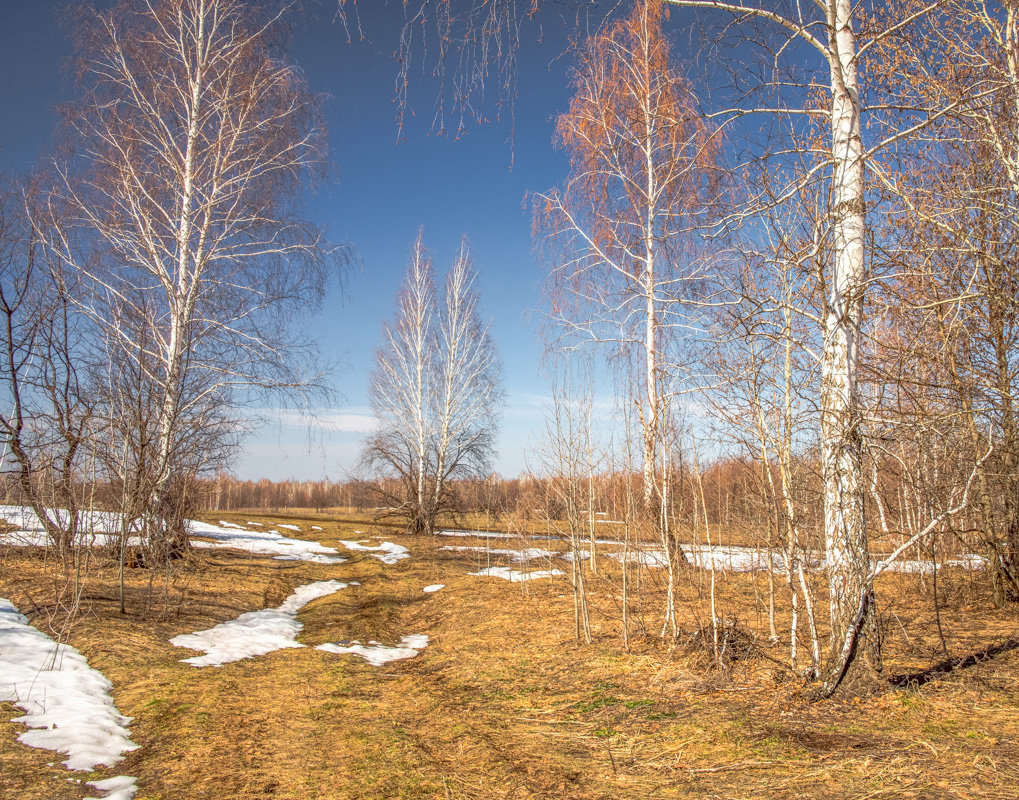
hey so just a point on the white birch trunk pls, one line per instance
(844, 524)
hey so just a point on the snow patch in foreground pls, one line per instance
(264, 543)
(516, 556)
(254, 633)
(378, 654)
(119, 788)
(514, 576)
(434, 588)
(68, 703)
(387, 552)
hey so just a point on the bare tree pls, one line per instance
(436, 392)
(45, 429)
(623, 227)
(193, 134)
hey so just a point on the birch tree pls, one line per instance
(435, 391)
(955, 186)
(820, 40)
(192, 137)
(622, 227)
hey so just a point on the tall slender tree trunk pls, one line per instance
(851, 606)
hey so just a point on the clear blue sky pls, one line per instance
(385, 192)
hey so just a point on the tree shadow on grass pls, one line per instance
(915, 680)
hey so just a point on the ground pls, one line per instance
(504, 702)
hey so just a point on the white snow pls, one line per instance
(289, 527)
(224, 524)
(95, 528)
(259, 524)
(68, 704)
(583, 555)
(266, 543)
(254, 633)
(513, 575)
(315, 528)
(434, 588)
(387, 552)
(121, 787)
(479, 534)
(378, 654)
(516, 556)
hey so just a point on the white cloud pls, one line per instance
(338, 420)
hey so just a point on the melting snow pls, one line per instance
(513, 575)
(434, 587)
(516, 556)
(315, 528)
(479, 534)
(289, 527)
(68, 703)
(254, 633)
(387, 552)
(224, 524)
(120, 788)
(378, 654)
(266, 543)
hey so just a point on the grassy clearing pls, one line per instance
(503, 703)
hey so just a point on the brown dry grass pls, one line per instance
(504, 703)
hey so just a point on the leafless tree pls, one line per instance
(436, 392)
(192, 136)
(48, 419)
(625, 273)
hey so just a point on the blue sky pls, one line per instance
(385, 192)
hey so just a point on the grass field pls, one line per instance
(504, 703)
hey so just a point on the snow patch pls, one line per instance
(434, 588)
(121, 787)
(265, 543)
(514, 576)
(315, 528)
(254, 633)
(378, 654)
(516, 556)
(387, 552)
(479, 534)
(68, 703)
(224, 524)
(289, 527)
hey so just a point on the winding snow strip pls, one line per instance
(378, 654)
(265, 543)
(224, 524)
(254, 633)
(68, 703)
(387, 552)
(514, 576)
(516, 556)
